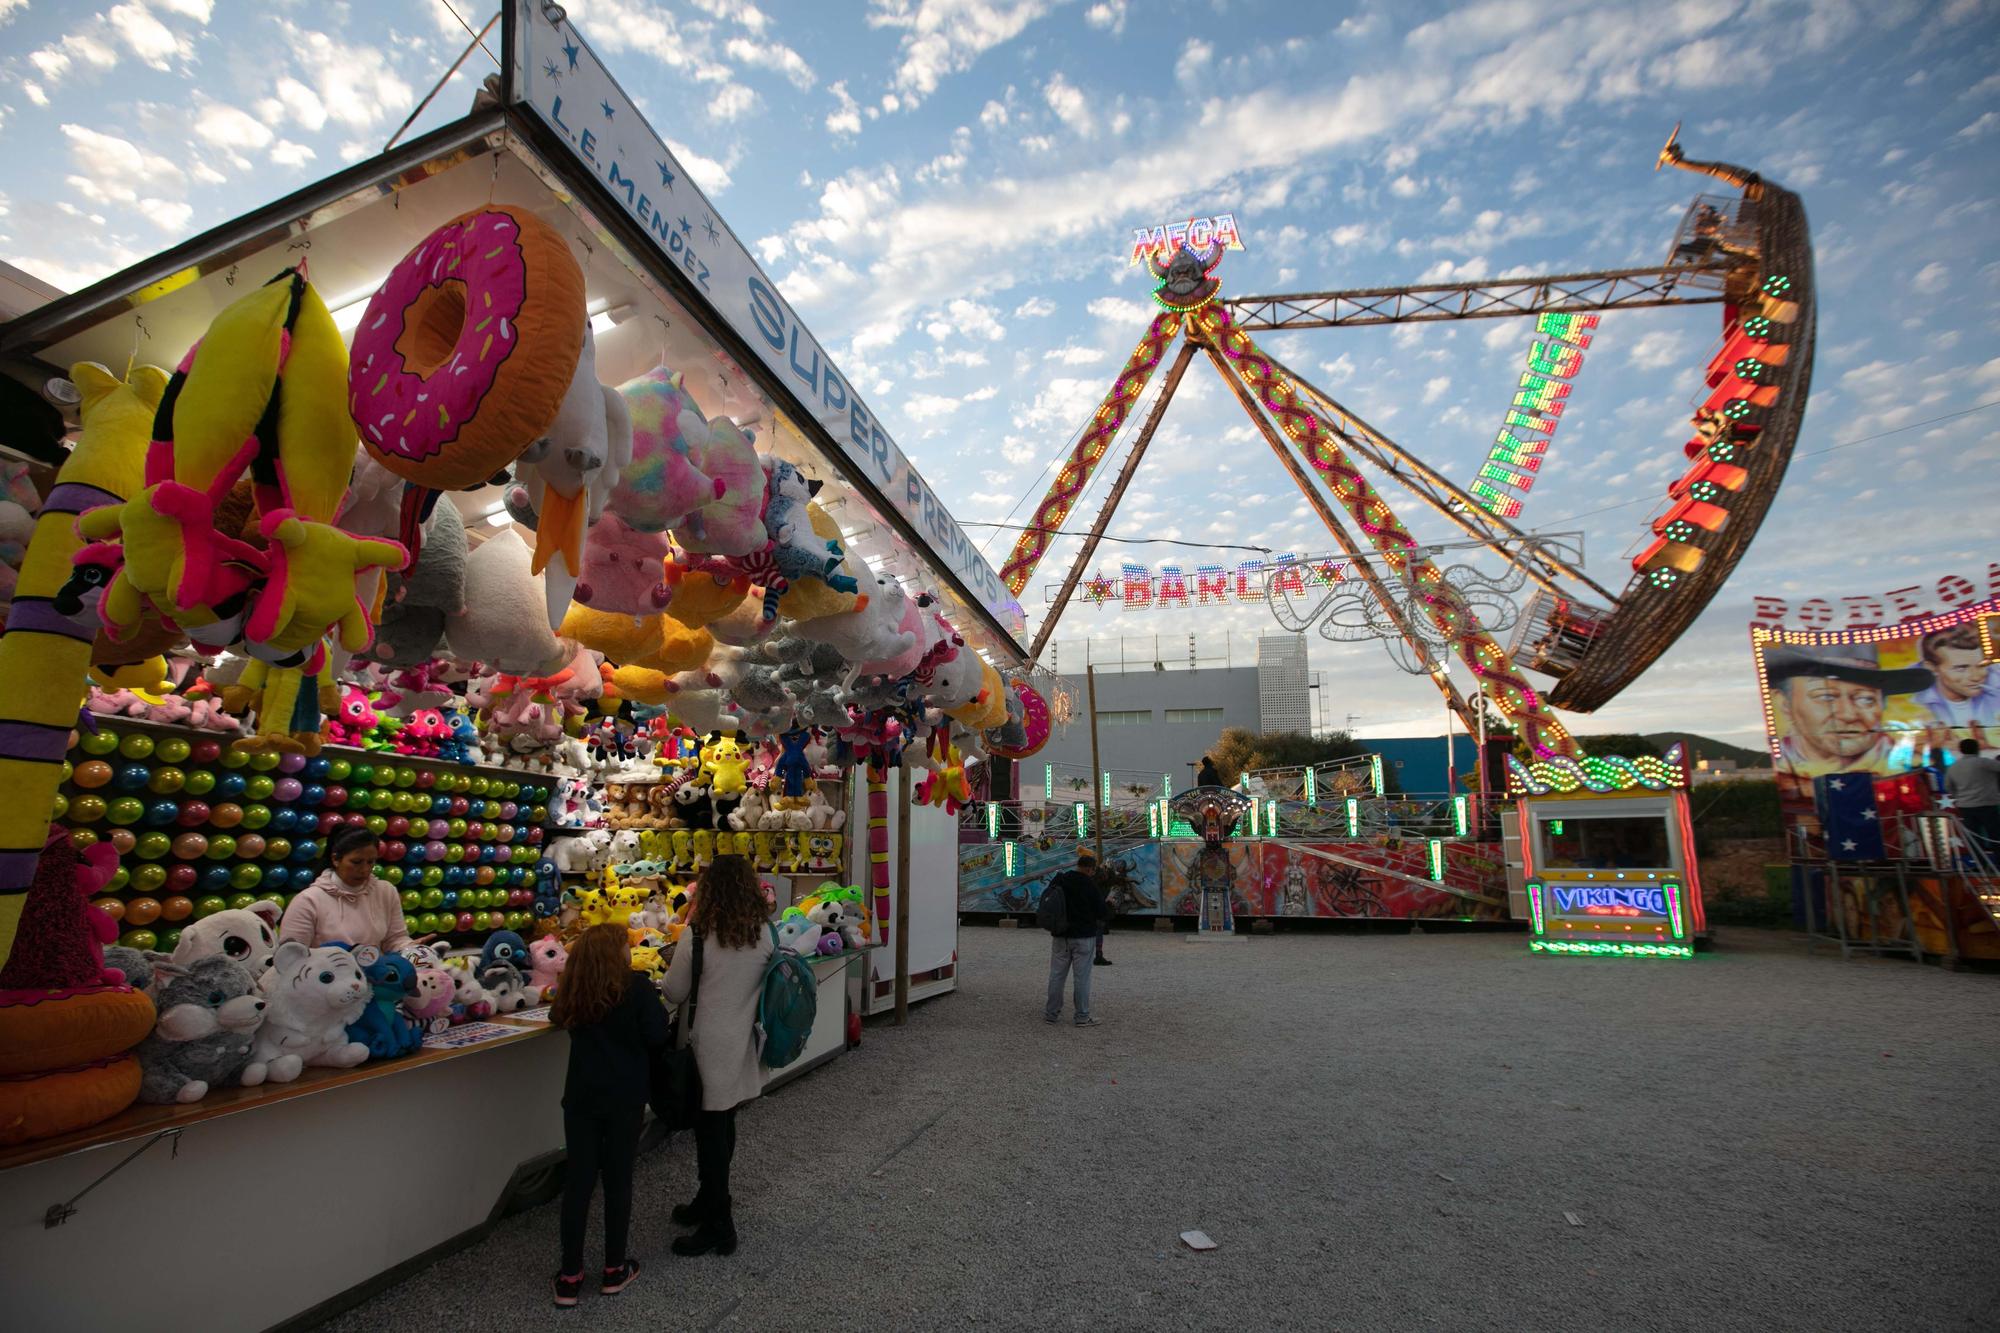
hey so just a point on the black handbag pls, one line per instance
(676, 1079)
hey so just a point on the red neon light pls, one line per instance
(1612, 911)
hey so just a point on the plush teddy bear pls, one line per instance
(429, 1002)
(209, 1015)
(246, 936)
(384, 1026)
(313, 995)
(625, 847)
(547, 958)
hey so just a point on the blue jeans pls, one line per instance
(1065, 955)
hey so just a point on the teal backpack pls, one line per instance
(786, 1006)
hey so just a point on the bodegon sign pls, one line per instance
(558, 76)
(1893, 607)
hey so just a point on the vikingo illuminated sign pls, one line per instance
(1523, 442)
(1893, 607)
(1172, 588)
(1195, 233)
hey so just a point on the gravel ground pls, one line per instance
(1380, 1131)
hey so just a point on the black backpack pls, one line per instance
(1052, 912)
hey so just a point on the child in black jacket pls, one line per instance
(613, 1015)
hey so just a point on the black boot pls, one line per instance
(693, 1211)
(716, 1234)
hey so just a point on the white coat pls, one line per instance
(725, 1042)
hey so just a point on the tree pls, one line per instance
(1240, 751)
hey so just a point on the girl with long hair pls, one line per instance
(729, 947)
(613, 1015)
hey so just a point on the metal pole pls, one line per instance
(478, 42)
(1174, 373)
(1326, 516)
(902, 894)
(1096, 768)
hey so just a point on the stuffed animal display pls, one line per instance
(210, 1012)
(314, 995)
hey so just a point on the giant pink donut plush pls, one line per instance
(466, 351)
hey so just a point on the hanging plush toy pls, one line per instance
(663, 484)
(504, 625)
(466, 353)
(260, 392)
(565, 478)
(732, 523)
(419, 602)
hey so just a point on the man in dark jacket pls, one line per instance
(1073, 950)
(1208, 777)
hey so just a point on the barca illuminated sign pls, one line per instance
(1530, 427)
(1171, 587)
(1195, 233)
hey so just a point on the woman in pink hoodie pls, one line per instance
(347, 903)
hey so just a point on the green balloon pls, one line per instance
(362, 773)
(405, 776)
(411, 900)
(172, 750)
(124, 810)
(247, 875)
(98, 742)
(153, 846)
(234, 759)
(200, 782)
(209, 906)
(376, 825)
(256, 816)
(338, 770)
(135, 745)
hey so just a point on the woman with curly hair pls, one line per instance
(722, 965)
(612, 1015)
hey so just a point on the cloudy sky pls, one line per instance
(945, 189)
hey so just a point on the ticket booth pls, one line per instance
(1607, 857)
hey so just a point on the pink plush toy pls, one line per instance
(663, 483)
(624, 569)
(430, 1004)
(732, 523)
(355, 718)
(546, 958)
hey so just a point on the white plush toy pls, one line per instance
(749, 812)
(872, 632)
(247, 937)
(504, 625)
(820, 815)
(314, 994)
(626, 847)
(580, 855)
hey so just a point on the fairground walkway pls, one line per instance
(1378, 1131)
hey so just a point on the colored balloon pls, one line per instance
(376, 825)
(274, 849)
(177, 908)
(194, 814)
(142, 911)
(339, 770)
(210, 905)
(98, 742)
(131, 777)
(123, 840)
(182, 879)
(119, 879)
(361, 774)
(135, 745)
(246, 876)
(230, 786)
(125, 810)
(234, 758)
(226, 815)
(141, 940)
(172, 750)
(291, 763)
(258, 787)
(205, 751)
(336, 796)
(264, 761)
(200, 782)
(214, 879)
(191, 846)
(221, 847)
(287, 789)
(251, 844)
(162, 812)
(394, 874)
(92, 774)
(256, 816)
(113, 907)
(86, 809)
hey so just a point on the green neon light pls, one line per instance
(1152, 821)
(1012, 858)
(1375, 772)
(1104, 788)
(1437, 859)
(1312, 789)
(1271, 819)
(1253, 819)
(1354, 816)
(1555, 828)
(1082, 820)
(1167, 786)
(1674, 909)
(1048, 782)
(1607, 950)
(1535, 905)
(1461, 815)
(993, 819)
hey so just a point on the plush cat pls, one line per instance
(313, 995)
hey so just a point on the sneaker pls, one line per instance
(1086, 1022)
(1050, 1018)
(619, 1278)
(1101, 961)
(568, 1287)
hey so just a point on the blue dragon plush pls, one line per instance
(384, 1027)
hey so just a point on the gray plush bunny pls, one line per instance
(210, 1011)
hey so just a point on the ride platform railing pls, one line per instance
(1916, 845)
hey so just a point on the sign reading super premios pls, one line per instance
(569, 88)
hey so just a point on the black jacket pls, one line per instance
(1083, 903)
(607, 1060)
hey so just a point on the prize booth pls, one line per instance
(474, 1113)
(1601, 856)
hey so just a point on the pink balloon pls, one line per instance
(433, 851)
(291, 763)
(286, 789)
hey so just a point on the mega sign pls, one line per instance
(1875, 611)
(1523, 442)
(1195, 233)
(1172, 588)
(562, 81)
